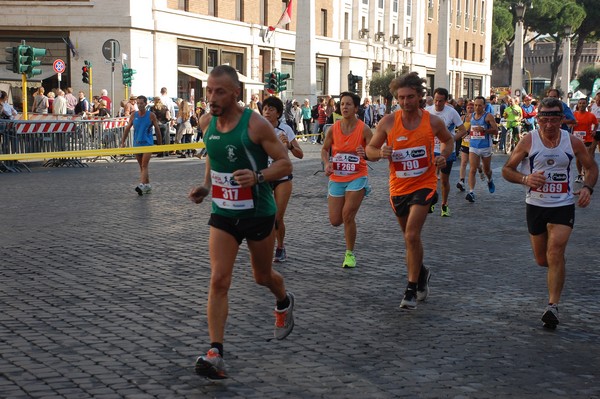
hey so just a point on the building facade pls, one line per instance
(175, 43)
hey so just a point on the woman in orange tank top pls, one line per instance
(343, 156)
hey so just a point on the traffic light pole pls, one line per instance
(112, 87)
(91, 91)
(24, 95)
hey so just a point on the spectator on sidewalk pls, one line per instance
(59, 106)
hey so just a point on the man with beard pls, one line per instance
(239, 142)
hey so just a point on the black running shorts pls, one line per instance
(401, 203)
(252, 229)
(538, 217)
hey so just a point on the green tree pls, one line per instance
(587, 77)
(589, 31)
(380, 86)
(550, 17)
(503, 31)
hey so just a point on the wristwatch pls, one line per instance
(259, 177)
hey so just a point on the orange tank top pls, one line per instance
(347, 165)
(412, 166)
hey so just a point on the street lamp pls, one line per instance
(517, 66)
(566, 63)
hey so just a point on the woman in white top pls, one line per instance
(282, 189)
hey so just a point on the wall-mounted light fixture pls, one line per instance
(363, 33)
(379, 36)
(408, 42)
(394, 39)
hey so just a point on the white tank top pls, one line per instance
(556, 164)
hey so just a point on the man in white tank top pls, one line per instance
(550, 197)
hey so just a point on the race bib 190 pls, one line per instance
(410, 162)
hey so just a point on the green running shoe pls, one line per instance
(445, 211)
(349, 260)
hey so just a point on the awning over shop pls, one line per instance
(15, 79)
(194, 73)
(202, 76)
(250, 83)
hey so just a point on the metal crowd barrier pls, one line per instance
(47, 133)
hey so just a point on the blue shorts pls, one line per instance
(338, 189)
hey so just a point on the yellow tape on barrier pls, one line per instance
(100, 152)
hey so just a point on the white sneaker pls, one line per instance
(147, 188)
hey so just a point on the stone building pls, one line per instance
(175, 43)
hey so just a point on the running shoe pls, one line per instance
(423, 284)
(445, 211)
(579, 179)
(550, 317)
(491, 186)
(139, 189)
(349, 260)
(470, 197)
(460, 185)
(147, 189)
(280, 255)
(211, 366)
(284, 319)
(409, 302)
(431, 209)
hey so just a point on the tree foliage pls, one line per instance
(589, 30)
(503, 31)
(380, 85)
(587, 77)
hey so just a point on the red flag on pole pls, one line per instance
(285, 19)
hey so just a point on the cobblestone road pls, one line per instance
(103, 293)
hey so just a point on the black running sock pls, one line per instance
(411, 286)
(422, 273)
(217, 345)
(283, 304)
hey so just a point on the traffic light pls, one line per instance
(18, 59)
(11, 59)
(352, 82)
(272, 87)
(281, 81)
(127, 75)
(33, 54)
(85, 74)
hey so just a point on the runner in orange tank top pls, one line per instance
(406, 139)
(343, 156)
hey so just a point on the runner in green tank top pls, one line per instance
(239, 143)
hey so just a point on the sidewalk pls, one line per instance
(103, 295)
